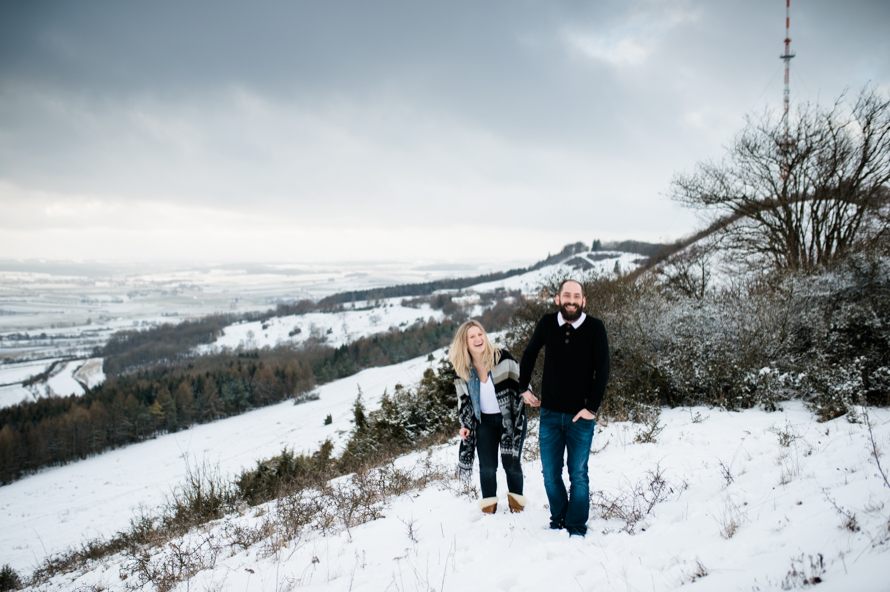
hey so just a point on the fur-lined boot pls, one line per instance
(517, 502)
(488, 505)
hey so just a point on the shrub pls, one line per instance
(205, 495)
(285, 471)
(9, 579)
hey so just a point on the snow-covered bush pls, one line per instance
(754, 341)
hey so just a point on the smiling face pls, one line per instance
(476, 341)
(571, 301)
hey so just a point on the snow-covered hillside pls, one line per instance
(597, 262)
(335, 328)
(62, 506)
(740, 501)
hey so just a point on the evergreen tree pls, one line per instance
(358, 412)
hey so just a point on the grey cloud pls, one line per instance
(392, 111)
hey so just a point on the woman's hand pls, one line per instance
(464, 433)
(530, 399)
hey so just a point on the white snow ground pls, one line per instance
(720, 467)
(59, 298)
(12, 394)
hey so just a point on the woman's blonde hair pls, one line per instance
(460, 354)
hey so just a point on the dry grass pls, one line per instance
(730, 519)
(804, 572)
(631, 506)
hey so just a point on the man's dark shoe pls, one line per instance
(574, 532)
(556, 525)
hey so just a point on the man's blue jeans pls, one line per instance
(558, 435)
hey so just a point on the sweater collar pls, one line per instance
(575, 324)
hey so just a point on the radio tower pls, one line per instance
(787, 59)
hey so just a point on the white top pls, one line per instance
(488, 400)
(575, 324)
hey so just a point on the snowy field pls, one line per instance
(62, 506)
(56, 310)
(749, 504)
(13, 394)
(47, 316)
(66, 378)
(17, 372)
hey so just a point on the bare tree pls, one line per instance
(801, 199)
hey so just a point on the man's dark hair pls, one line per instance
(564, 282)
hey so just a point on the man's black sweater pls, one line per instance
(576, 364)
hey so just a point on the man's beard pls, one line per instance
(572, 316)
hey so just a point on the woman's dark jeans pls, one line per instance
(488, 440)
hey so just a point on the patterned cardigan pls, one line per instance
(505, 376)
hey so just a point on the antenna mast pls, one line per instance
(787, 59)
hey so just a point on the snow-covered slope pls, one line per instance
(576, 265)
(62, 506)
(12, 394)
(750, 502)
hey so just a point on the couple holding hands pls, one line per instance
(493, 389)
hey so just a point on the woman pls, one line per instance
(492, 413)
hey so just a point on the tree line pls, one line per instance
(133, 348)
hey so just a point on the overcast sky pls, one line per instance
(417, 131)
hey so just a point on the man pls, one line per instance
(576, 369)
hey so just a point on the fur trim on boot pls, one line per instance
(517, 502)
(488, 505)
